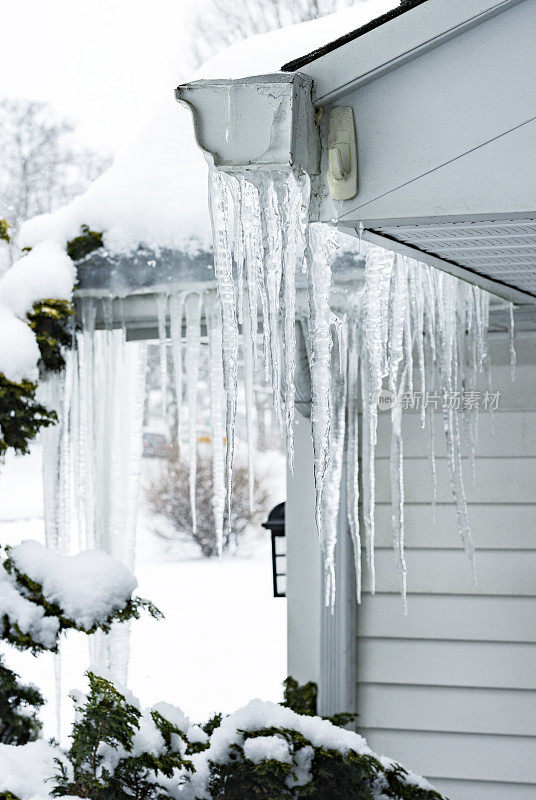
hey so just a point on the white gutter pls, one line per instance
(263, 121)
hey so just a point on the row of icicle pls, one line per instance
(91, 455)
(408, 324)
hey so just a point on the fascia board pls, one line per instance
(394, 43)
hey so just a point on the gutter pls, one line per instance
(262, 121)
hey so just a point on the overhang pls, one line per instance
(445, 117)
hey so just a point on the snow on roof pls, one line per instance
(155, 194)
(266, 52)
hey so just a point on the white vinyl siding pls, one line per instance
(450, 689)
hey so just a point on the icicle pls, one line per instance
(252, 236)
(223, 265)
(368, 470)
(214, 326)
(397, 485)
(446, 316)
(161, 302)
(192, 305)
(57, 692)
(398, 303)
(294, 201)
(513, 356)
(86, 454)
(409, 344)
(249, 401)
(321, 244)
(51, 394)
(56, 394)
(352, 465)
(417, 297)
(176, 313)
(378, 270)
(272, 280)
(108, 393)
(405, 307)
(258, 229)
(332, 482)
(238, 244)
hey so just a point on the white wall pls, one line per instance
(451, 688)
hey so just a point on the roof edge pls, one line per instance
(404, 7)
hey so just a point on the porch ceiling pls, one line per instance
(502, 251)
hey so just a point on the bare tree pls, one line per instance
(220, 23)
(168, 495)
(42, 165)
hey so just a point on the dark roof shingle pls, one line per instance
(298, 63)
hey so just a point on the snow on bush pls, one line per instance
(19, 352)
(120, 751)
(25, 770)
(267, 747)
(263, 750)
(87, 586)
(18, 612)
(259, 714)
(46, 271)
(43, 593)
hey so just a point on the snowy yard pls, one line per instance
(223, 640)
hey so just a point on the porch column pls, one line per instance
(321, 645)
(338, 658)
(304, 568)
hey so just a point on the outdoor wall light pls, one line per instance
(276, 525)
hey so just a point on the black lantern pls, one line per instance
(276, 525)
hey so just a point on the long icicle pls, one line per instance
(378, 269)
(249, 402)
(321, 243)
(273, 265)
(513, 356)
(352, 465)
(223, 267)
(176, 313)
(162, 302)
(331, 494)
(293, 202)
(192, 305)
(214, 327)
(397, 484)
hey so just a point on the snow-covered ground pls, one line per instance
(223, 640)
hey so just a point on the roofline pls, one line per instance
(302, 61)
(360, 57)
